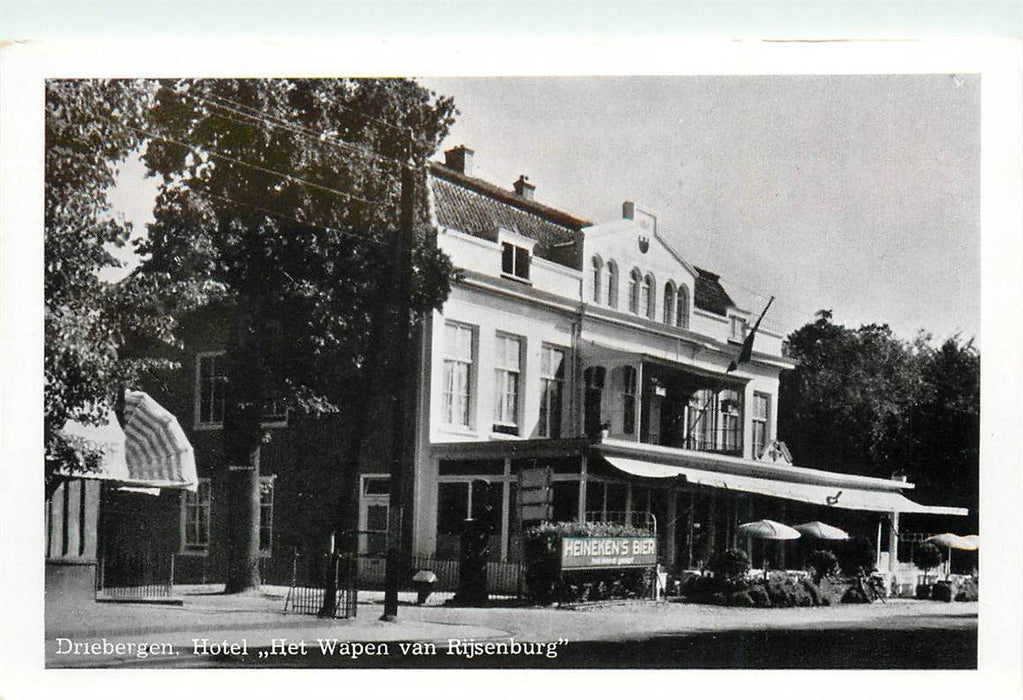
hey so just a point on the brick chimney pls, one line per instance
(523, 188)
(459, 159)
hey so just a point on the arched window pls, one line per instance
(682, 315)
(598, 270)
(669, 303)
(635, 279)
(649, 297)
(612, 284)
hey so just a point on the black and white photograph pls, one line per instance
(664, 370)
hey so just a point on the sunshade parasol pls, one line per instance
(767, 530)
(821, 531)
(151, 451)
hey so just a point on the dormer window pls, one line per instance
(516, 251)
(738, 328)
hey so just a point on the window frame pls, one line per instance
(203, 485)
(266, 420)
(764, 421)
(501, 423)
(470, 380)
(635, 281)
(612, 284)
(668, 303)
(198, 422)
(736, 321)
(547, 380)
(648, 293)
(682, 306)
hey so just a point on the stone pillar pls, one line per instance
(893, 544)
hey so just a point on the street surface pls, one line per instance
(251, 632)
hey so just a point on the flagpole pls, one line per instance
(746, 351)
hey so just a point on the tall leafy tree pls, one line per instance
(285, 195)
(91, 127)
(863, 401)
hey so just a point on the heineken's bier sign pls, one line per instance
(608, 552)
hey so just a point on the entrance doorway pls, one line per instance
(374, 509)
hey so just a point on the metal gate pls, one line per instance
(311, 574)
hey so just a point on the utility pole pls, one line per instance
(402, 362)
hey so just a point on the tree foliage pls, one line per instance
(90, 128)
(864, 401)
(285, 194)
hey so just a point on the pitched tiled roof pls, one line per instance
(710, 295)
(476, 207)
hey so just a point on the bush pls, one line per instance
(822, 563)
(857, 554)
(927, 556)
(968, 591)
(545, 582)
(942, 590)
(729, 564)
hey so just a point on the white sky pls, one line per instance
(855, 193)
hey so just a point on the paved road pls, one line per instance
(901, 634)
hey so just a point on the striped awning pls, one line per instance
(151, 450)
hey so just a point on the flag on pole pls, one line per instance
(746, 351)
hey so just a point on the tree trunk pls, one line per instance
(243, 526)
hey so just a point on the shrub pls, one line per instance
(942, 590)
(856, 554)
(927, 556)
(823, 563)
(729, 564)
(759, 597)
(544, 581)
(968, 591)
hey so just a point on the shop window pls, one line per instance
(566, 500)
(507, 384)
(552, 381)
(195, 518)
(459, 359)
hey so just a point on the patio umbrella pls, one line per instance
(151, 451)
(951, 541)
(768, 530)
(821, 531)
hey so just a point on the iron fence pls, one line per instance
(135, 575)
(311, 574)
(503, 578)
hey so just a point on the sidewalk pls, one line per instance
(257, 621)
(208, 623)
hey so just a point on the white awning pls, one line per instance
(841, 496)
(151, 451)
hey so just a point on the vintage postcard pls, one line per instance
(666, 359)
